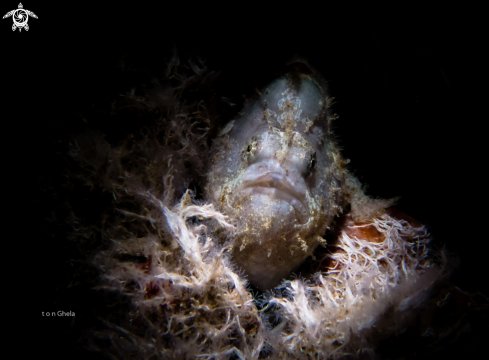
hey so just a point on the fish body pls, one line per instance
(279, 175)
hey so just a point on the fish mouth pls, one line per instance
(277, 187)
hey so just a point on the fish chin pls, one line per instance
(267, 244)
(273, 221)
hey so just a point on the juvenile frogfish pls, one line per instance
(276, 171)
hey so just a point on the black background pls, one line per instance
(407, 82)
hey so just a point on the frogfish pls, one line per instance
(277, 171)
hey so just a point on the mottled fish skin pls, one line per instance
(278, 173)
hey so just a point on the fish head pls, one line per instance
(276, 171)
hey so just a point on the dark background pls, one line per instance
(408, 87)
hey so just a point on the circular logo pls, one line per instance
(20, 17)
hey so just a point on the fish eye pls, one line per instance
(250, 148)
(312, 163)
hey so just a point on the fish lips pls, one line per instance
(277, 187)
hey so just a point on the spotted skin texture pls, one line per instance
(279, 175)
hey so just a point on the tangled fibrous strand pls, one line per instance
(181, 296)
(345, 307)
(188, 298)
(161, 137)
(190, 301)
